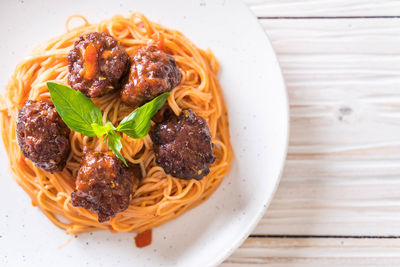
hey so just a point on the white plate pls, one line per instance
(256, 97)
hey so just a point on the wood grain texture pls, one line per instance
(342, 174)
(316, 252)
(296, 8)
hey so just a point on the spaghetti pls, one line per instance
(158, 197)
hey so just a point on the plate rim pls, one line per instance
(251, 226)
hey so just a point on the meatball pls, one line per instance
(182, 145)
(42, 136)
(104, 184)
(96, 64)
(152, 73)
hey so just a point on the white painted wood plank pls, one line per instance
(300, 8)
(316, 252)
(342, 176)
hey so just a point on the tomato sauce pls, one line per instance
(143, 239)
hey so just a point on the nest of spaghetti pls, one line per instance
(120, 64)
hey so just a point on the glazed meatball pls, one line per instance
(104, 184)
(96, 64)
(42, 136)
(182, 145)
(152, 73)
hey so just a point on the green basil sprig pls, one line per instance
(81, 115)
(137, 124)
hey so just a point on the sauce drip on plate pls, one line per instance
(143, 239)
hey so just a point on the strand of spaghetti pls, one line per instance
(73, 17)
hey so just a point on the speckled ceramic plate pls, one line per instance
(255, 94)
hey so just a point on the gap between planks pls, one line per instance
(324, 8)
(326, 236)
(328, 17)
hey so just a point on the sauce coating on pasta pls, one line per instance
(156, 198)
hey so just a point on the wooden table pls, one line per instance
(338, 202)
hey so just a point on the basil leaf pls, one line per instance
(75, 109)
(101, 130)
(114, 143)
(137, 124)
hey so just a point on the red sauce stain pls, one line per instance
(143, 239)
